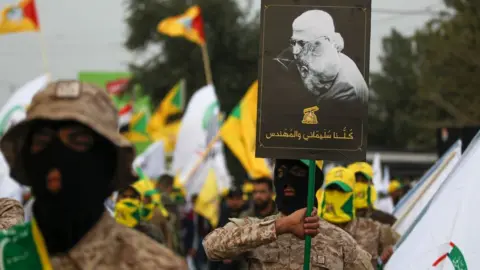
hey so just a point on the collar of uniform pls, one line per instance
(94, 239)
(350, 226)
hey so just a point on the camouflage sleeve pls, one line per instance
(356, 258)
(388, 237)
(237, 237)
(11, 213)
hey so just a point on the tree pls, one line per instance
(233, 44)
(450, 64)
(428, 81)
(394, 91)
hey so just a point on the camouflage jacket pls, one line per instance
(377, 215)
(11, 213)
(256, 240)
(109, 245)
(372, 236)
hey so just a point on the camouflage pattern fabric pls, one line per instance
(377, 215)
(111, 246)
(11, 213)
(372, 236)
(256, 240)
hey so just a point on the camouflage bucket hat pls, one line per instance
(77, 101)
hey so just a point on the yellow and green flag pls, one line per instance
(173, 103)
(238, 133)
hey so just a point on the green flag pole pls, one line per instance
(311, 193)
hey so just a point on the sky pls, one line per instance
(88, 35)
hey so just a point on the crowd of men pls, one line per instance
(69, 151)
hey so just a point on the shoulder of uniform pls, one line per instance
(368, 222)
(7, 204)
(146, 253)
(244, 221)
(253, 220)
(335, 234)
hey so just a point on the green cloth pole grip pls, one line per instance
(311, 196)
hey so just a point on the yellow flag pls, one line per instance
(238, 133)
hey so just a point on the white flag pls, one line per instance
(152, 160)
(199, 128)
(15, 108)
(445, 236)
(192, 135)
(412, 204)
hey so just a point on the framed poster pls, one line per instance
(313, 95)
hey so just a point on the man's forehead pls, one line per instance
(304, 35)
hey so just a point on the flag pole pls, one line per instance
(202, 158)
(43, 51)
(206, 63)
(310, 200)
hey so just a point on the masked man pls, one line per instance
(366, 195)
(338, 208)
(276, 242)
(263, 203)
(316, 51)
(133, 211)
(69, 150)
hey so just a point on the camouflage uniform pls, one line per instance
(256, 240)
(110, 245)
(377, 215)
(372, 236)
(11, 213)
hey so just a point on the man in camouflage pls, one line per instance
(69, 150)
(366, 195)
(338, 208)
(276, 242)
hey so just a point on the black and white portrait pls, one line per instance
(313, 95)
(315, 52)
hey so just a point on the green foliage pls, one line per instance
(428, 81)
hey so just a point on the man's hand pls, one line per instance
(192, 252)
(299, 225)
(386, 254)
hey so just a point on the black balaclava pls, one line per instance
(295, 174)
(65, 216)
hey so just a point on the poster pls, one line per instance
(313, 96)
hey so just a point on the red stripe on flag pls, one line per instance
(117, 86)
(452, 244)
(440, 259)
(125, 109)
(30, 11)
(197, 24)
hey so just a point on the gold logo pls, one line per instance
(309, 117)
(329, 208)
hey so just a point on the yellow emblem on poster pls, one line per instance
(309, 117)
